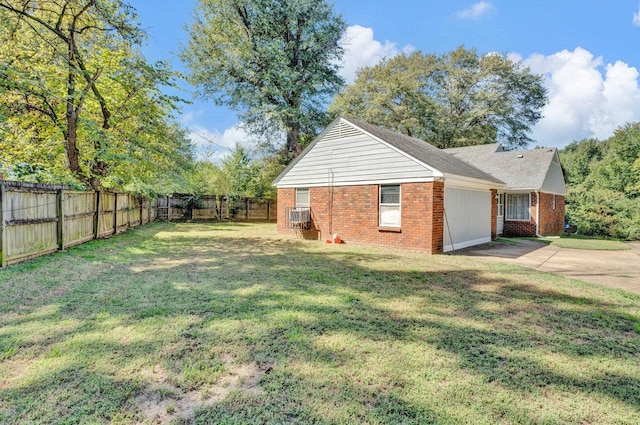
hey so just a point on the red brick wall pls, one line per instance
(494, 214)
(551, 221)
(519, 228)
(352, 213)
(437, 218)
(286, 198)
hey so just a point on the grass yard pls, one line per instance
(231, 324)
(576, 242)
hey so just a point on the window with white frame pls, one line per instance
(553, 206)
(389, 206)
(500, 204)
(302, 197)
(518, 206)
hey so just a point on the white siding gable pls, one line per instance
(345, 155)
(554, 180)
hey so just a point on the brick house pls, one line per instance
(530, 176)
(373, 186)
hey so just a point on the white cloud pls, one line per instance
(636, 18)
(361, 50)
(586, 97)
(214, 146)
(476, 11)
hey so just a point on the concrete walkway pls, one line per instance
(616, 269)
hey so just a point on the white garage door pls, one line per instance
(467, 216)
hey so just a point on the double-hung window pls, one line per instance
(500, 204)
(389, 206)
(302, 197)
(518, 206)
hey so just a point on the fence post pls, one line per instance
(97, 216)
(3, 248)
(115, 213)
(60, 202)
(129, 196)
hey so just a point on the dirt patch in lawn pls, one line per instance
(163, 402)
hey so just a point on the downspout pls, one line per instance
(330, 182)
(538, 215)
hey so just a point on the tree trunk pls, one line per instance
(294, 148)
(71, 145)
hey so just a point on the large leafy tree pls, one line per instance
(78, 97)
(603, 179)
(273, 61)
(460, 98)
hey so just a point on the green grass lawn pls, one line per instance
(576, 242)
(231, 324)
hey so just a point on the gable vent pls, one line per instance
(342, 130)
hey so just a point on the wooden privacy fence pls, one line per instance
(179, 207)
(37, 219)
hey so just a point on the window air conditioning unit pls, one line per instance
(299, 216)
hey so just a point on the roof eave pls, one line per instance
(493, 183)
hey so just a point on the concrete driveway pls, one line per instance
(616, 269)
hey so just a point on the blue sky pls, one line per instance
(588, 52)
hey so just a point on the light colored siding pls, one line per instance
(554, 180)
(347, 156)
(467, 218)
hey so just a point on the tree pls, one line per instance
(578, 159)
(458, 99)
(603, 184)
(79, 98)
(273, 61)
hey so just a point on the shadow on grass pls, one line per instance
(188, 300)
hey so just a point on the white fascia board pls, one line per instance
(361, 183)
(435, 171)
(469, 182)
(529, 190)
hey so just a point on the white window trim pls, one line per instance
(501, 199)
(506, 216)
(399, 205)
(553, 207)
(298, 204)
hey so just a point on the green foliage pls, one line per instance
(461, 98)
(239, 175)
(604, 184)
(275, 62)
(78, 98)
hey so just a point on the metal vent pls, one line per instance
(342, 131)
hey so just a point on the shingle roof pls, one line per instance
(519, 169)
(426, 153)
